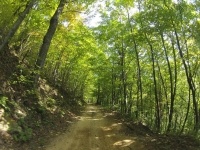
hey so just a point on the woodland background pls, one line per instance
(142, 59)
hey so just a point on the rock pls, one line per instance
(1, 112)
(1, 142)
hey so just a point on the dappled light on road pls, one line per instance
(123, 143)
(95, 129)
(110, 135)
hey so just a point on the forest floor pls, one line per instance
(97, 129)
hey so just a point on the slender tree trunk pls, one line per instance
(157, 102)
(98, 95)
(48, 37)
(158, 122)
(187, 113)
(123, 79)
(172, 86)
(190, 81)
(113, 88)
(139, 78)
(162, 80)
(17, 24)
(157, 107)
(188, 73)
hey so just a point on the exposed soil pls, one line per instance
(97, 129)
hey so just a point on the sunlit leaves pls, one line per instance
(144, 27)
(127, 3)
(9, 10)
(105, 58)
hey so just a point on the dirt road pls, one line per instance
(95, 130)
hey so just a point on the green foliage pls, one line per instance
(133, 61)
(50, 102)
(21, 132)
(24, 136)
(141, 71)
(10, 9)
(31, 95)
(4, 103)
(21, 77)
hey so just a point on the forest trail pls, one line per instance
(95, 130)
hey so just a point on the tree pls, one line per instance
(49, 35)
(16, 25)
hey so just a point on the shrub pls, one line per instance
(4, 103)
(21, 132)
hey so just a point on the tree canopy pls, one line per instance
(141, 59)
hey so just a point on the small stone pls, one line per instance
(1, 142)
(153, 140)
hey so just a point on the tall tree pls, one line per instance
(17, 24)
(48, 37)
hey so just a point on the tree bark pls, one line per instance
(123, 78)
(187, 113)
(139, 78)
(158, 119)
(172, 83)
(49, 35)
(190, 81)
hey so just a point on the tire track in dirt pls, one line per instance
(95, 130)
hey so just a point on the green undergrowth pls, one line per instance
(28, 113)
(155, 140)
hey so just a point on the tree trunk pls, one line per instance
(139, 78)
(158, 122)
(190, 81)
(17, 24)
(98, 95)
(113, 88)
(187, 113)
(48, 37)
(123, 78)
(157, 102)
(172, 84)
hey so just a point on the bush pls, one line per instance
(21, 132)
(24, 135)
(4, 103)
